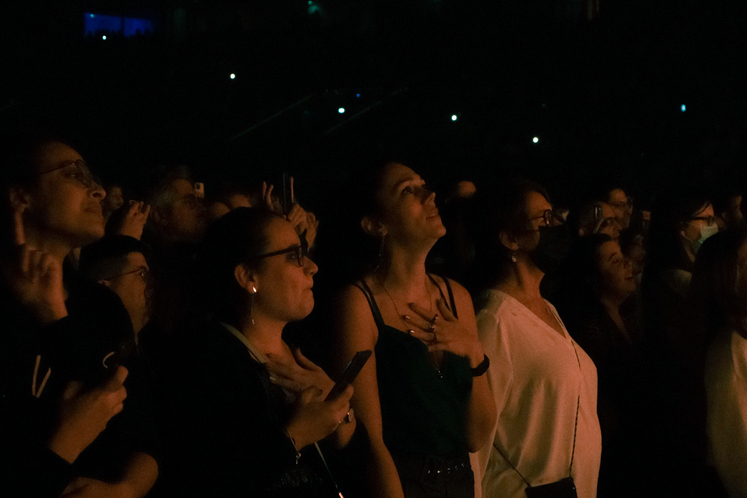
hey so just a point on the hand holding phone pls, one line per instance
(349, 374)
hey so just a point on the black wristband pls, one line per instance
(482, 367)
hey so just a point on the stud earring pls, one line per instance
(513, 257)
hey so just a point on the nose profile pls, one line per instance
(310, 267)
(98, 192)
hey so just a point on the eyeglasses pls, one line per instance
(710, 220)
(78, 171)
(549, 219)
(623, 205)
(143, 271)
(299, 253)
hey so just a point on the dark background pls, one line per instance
(603, 95)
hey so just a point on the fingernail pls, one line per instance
(273, 378)
(410, 331)
(405, 317)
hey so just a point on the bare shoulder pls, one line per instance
(355, 317)
(462, 297)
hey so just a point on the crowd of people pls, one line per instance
(168, 344)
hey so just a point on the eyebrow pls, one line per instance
(406, 180)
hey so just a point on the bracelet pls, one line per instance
(482, 367)
(293, 442)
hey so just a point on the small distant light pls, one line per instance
(358, 95)
(453, 117)
(233, 76)
(311, 3)
(103, 37)
(535, 139)
(341, 110)
(91, 16)
(683, 108)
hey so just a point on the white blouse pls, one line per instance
(538, 377)
(726, 391)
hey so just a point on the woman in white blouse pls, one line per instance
(718, 294)
(544, 384)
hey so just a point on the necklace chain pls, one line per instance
(434, 362)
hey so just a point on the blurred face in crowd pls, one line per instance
(131, 285)
(535, 206)
(600, 217)
(615, 271)
(114, 199)
(622, 207)
(64, 206)
(408, 211)
(183, 219)
(733, 215)
(702, 219)
(238, 200)
(283, 282)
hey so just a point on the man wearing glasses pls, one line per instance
(60, 381)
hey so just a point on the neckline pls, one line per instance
(527, 311)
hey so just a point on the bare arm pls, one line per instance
(357, 331)
(459, 336)
(482, 413)
(139, 476)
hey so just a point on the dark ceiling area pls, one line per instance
(565, 91)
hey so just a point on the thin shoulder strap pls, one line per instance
(452, 304)
(363, 286)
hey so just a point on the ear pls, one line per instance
(156, 214)
(508, 240)
(582, 232)
(246, 278)
(373, 227)
(19, 199)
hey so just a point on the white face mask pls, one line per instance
(705, 232)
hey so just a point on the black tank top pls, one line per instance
(423, 409)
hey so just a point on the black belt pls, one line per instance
(430, 465)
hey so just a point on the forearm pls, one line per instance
(481, 413)
(140, 475)
(384, 477)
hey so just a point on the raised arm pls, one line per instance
(459, 336)
(356, 331)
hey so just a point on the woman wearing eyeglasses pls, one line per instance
(681, 220)
(423, 395)
(544, 384)
(248, 408)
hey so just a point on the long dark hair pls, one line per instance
(493, 210)
(238, 237)
(342, 244)
(716, 298)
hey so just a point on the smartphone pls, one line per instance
(287, 196)
(200, 190)
(597, 212)
(350, 373)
